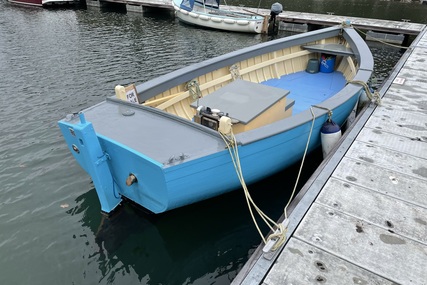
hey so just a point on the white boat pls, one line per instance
(208, 14)
(179, 138)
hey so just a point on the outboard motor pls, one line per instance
(273, 26)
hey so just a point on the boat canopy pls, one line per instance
(188, 4)
(209, 3)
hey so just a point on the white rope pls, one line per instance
(285, 210)
(278, 231)
(376, 98)
(378, 40)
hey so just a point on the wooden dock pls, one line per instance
(404, 26)
(362, 217)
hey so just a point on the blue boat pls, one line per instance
(205, 129)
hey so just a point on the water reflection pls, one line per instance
(204, 243)
(175, 248)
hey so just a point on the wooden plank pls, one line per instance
(330, 49)
(392, 183)
(404, 100)
(302, 263)
(410, 142)
(398, 121)
(365, 245)
(389, 159)
(300, 17)
(363, 23)
(382, 210)
(415, 61)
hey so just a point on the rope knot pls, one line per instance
(376, 98)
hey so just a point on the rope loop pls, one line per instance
(279, 237)
(376, 98)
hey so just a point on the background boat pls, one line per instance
(44, 3)
(209, 14)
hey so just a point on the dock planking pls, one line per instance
(403, 26)
(362, 217)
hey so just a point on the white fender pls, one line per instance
(217, 20)
(330, 134)
(242, 22)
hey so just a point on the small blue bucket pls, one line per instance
(327, 63)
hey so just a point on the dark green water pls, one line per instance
(54, 62)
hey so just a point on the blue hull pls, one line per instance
(161, 189)
(176, 162)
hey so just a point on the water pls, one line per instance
(54, 62)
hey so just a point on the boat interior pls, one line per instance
(292, 70)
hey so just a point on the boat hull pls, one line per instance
(27, 2)
(43, 3)
(162, 160)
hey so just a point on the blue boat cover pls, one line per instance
(209, 3)
(187, 5)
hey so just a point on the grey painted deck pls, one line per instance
(362, 217)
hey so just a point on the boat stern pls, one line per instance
(84, 145)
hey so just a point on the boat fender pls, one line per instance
(242, 22)
(183, 11)
(330, 134)
(201, 109)
(225, 125)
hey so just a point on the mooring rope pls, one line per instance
(376, 98)
(348, 24)
(285, 210)
(378, 40)
(279, 232)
